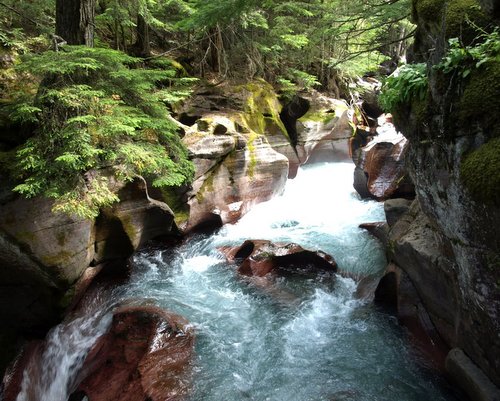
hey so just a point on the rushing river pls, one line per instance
(293, 340)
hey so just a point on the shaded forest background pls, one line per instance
(88, 87)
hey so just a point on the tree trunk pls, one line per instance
(75, 21)
(142, 44)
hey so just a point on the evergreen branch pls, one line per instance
(374, 48)
(19, 13)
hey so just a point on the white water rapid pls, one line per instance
(296, 339)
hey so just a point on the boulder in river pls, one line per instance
(257, 258)
(145, 355)
(236, 166)
(319, 128)
(380, 172)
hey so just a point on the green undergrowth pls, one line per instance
(410, 83)
(98, 110)
(480, 172)
(463, 17)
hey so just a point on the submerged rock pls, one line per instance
(257, 258)
(145, 354)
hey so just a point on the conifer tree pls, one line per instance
(75, 21)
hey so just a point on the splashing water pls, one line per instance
(280, 340)
(55, 374)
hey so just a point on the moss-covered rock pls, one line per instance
(174, 198)
(480, 172)
(427, 10)
(262, 107)
(480, 101)
(463, 18)
(458, 15)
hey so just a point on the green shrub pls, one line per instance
(463, 59)
(410, 83)
(98, 116)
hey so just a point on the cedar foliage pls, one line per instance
(98, 117)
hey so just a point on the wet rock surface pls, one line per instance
(380, 170)
(145, 354)
(458, 287)
(44, 255)
(261, 257)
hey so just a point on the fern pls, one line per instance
(463, 59)
(410, 83)
(95, 110)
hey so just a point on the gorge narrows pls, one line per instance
(288, 338)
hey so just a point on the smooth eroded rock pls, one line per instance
(145, 355)
(129, 224)
(380, 172)
(395, 208)
(260, 257)
(470, 378)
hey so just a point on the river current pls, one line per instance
(293, 339)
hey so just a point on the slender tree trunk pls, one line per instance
(75, 21)
(142, 43)
(214, 52)
(117, 34)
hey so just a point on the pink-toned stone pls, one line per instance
(257, 258)
(380, 169)
(145, 354)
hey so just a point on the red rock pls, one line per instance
(395, 290)
(380, 171)
(378, 229)
(257, 258)
(145, 354)
(13, 377)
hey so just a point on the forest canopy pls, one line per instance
(89, 85)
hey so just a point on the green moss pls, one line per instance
(181, 217)
(318, 116)
(459, 14)
(262, 107)
(419, 108)
(480, 172)
(175, 201)
(427, 10)
(253, 158)
(480, 101)
(208, 185)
